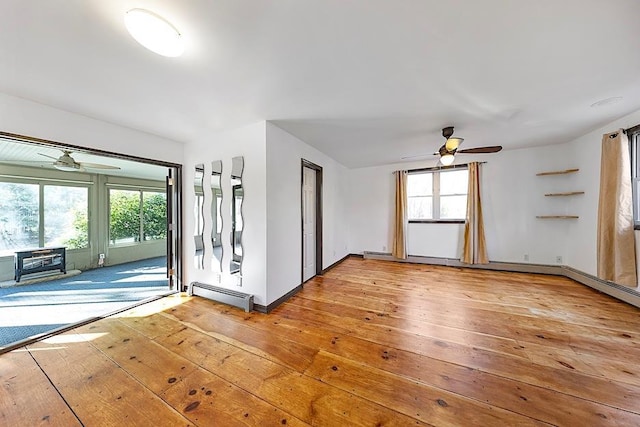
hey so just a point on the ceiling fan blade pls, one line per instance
(481, 150)
(33, 163)
(97, 166)
(418, 156)
(46, 155)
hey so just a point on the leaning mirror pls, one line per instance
(237, 166)
(198, 216)
(216, 216)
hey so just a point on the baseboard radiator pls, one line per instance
(223, 295)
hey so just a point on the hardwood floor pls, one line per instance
(371, 343)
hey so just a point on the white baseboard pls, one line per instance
(623, 293)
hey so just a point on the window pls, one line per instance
(136, 216)
(154, 215)
(65, 216)
(634, 142)
(61, 219)
(19, 217)
(438, 195)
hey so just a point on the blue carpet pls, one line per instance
(28, 310)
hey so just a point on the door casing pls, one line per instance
(318, 231)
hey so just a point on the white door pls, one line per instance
(308, 223)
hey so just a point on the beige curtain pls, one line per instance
(401, 217)
(475, 248)
(616, 240)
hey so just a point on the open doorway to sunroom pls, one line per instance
(82, 234)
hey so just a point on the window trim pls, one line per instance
(50, 182)
(633, 133)
(436, 193)
(141, 190)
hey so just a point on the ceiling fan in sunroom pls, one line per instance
(450, 148)
(67, 163)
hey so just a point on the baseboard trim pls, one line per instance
(623, 293)
(268, 308)
(628, 295)
(453, 262)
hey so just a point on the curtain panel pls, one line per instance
(399, 249)
(475, 248)
(616, 237)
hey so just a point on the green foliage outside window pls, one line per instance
(154, 211)
(127, 225)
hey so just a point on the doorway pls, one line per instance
(112, 215)
(311, 209)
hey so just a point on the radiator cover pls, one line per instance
(223, 295)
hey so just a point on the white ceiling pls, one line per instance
(365, 81)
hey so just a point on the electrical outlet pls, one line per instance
(101, 256)
(559, 259)
(526, 257)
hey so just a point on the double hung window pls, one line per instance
(437, 195)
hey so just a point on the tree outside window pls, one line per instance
(19, 217)
(62, 219)
(136, 216)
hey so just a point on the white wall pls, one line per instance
(28, 118)
(512, 197)
(249, 142)
(284, 252)
(370, 208)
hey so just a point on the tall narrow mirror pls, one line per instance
(237, 166)
(198, 215)
(216, 216)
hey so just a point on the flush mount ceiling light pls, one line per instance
(154, 32)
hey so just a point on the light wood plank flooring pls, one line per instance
(371, 343)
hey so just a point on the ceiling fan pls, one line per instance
(67, 163)
(450, 148)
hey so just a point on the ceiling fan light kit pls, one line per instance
(66, 168)
(447, 159)
(449, 149)
(453, 143)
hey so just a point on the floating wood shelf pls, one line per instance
(557, 172)
(558, 216)
(568, 193)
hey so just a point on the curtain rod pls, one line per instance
(437, 168)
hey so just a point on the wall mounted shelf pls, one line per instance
(560, 193)
(557, 172)
(568, 193)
